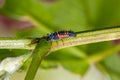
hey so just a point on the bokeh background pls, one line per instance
(36, 18)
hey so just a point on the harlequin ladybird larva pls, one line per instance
(60, 35)
(56, 36)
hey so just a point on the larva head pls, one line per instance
(52, 37)
(49, 37)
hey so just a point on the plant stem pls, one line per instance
(89, 37)
(14, 43)
(81, 38)
(39, 52)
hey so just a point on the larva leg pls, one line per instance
(62, 41)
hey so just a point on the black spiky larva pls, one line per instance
(56, 36)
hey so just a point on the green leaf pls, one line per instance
(94, 48)
(47, 64)
(112, 66)
(31, 33)
(107, 14)
(108, 73)
(77, 66)
(12, 53)
(113, 63)
(114, 75)
(70, 60)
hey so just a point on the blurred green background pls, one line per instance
(36, 18)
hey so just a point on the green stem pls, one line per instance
(80, 39)
(89, 37)
(38, 54)
(44, 46)
(15, 43)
